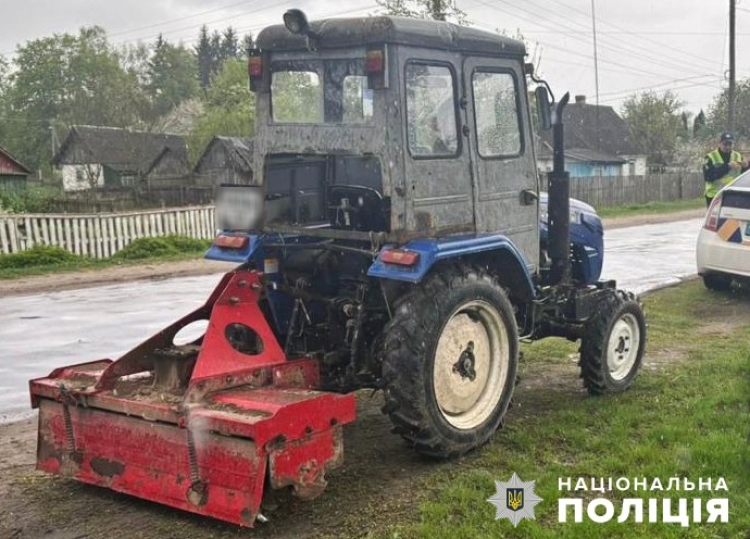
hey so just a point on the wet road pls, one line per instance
(41, 332)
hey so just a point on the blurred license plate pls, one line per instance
(239, 207)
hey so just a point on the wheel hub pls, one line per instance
(471, 364)
(465, 364)
(623, 346)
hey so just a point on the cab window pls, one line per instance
(432, 125)
(497, 114)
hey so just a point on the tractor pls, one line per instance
(396, 236)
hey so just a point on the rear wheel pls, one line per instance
(717, 281)
(451, 354)
(613, 344)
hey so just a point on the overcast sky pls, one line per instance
(681, 45)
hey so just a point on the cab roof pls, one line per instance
(348, 32)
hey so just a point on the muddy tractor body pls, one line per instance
(397, 237)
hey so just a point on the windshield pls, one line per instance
(320, 92)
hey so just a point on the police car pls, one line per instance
(723, 249)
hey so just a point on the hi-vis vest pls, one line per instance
(714, 187)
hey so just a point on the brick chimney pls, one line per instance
(580, 100)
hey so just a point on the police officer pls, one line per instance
(722, 166)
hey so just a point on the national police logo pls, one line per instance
(514, 500)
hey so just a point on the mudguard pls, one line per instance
(432, 251)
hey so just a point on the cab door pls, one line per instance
(501, 152)
(437, 166)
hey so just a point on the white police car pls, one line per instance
(723, 249)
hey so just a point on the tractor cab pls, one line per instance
(388, 129)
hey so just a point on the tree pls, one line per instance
(230, 46)
(172, 77)
(699, 124)
(247, 44)
(64, 80)
(717, 115)
(204, 52)
(229, 109)
(215, 49)
(655, 124)
(135, 59)
(441, 10)
(4, 86)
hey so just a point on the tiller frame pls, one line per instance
(204, 427)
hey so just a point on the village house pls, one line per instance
(96, 156)
(225, 160)
(13, 175)
(597, 143)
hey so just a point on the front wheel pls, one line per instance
(613, 344)
(717, 281)
(451, 354)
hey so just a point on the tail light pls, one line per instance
(712, 216)
(226, 241)
(376, 68)
(400, 257)
(375, 61)
(254, 69)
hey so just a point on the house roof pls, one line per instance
(595, 128)
(9, 165)
(119, 149)
(590, 156)
(239, 152)
(583, 155)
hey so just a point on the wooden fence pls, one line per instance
(624, 190)
(102, 235)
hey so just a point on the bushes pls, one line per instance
(30, 200)
(38, 256)
(49, 258)
(161, 247)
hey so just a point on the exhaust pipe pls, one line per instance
(558, 209)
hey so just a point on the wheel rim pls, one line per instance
(622, 349)
(471, 364)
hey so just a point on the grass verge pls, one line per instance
(651, 208)
(686, 416)
(43, 259)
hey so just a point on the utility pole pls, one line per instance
(437, 8)
(731, 98)
(596, 74)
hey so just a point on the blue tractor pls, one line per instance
(391, 240)
(401, 229)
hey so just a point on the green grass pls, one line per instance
(684, 417)
(651, 208)
(41, 259)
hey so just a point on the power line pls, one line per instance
(630, 69)
(660, 44)
(607, 65)
(616, 46)
(664, 84)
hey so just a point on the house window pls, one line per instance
(79, 175)
(432, 122)
(127, 180)
(496, 113)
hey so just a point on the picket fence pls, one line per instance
(613, 191)
(102, 235)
